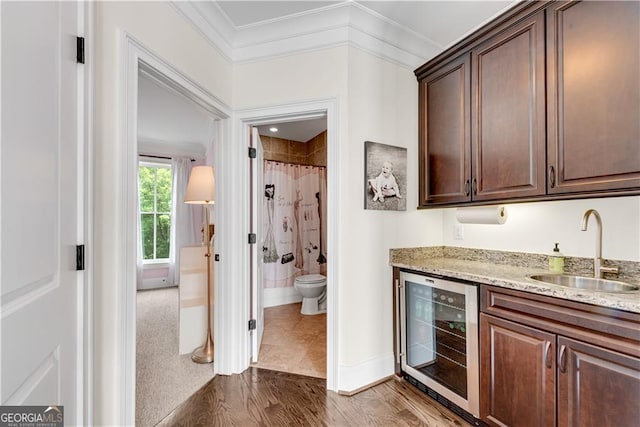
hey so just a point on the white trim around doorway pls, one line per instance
(274, 114)
(86, 212)
(136, 57)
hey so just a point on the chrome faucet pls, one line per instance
(598, 269)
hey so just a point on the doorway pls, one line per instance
(291, 195)
(289, 113)
(174, 134)
(139, 59)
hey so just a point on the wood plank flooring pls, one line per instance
(259, 397)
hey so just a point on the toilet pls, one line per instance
(313, 288)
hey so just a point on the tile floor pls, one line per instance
(293, 342)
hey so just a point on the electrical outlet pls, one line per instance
(458, 232)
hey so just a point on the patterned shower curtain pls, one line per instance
(294, 222)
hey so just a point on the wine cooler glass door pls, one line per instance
(440, 336)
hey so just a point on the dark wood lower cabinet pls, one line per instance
(547, 362)
(517, 374)
(597, 387)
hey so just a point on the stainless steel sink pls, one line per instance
(580, 282)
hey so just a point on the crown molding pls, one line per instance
(210, 22)
(340, 24)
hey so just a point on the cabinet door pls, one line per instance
(517, 374)
(508, 115)
(596, 387)
(444, 105)
(593, 64)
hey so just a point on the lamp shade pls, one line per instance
(200, 186)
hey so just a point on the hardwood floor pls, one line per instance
(259, 397)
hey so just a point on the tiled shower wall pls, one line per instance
(312, 152)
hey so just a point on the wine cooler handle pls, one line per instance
(563, 359)
(397, 286)
(547, 354)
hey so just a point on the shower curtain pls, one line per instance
(294, 222)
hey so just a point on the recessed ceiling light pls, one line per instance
(273, 129)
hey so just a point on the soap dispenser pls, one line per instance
(556, 260)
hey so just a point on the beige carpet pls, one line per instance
(164, 379)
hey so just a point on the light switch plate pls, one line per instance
(458, 232)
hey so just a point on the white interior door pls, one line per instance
(257, 199)
(41, 305)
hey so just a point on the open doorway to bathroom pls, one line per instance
(290, 183)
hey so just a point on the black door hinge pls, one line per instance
(252, 324)
(253, 153)
(80, 50)
(252, 238)
(79, 257)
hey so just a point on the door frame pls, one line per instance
(85, 333)
(243, 120)
(136, 57)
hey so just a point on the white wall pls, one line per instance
(535, 227)
(383, 100)
(157, 26)
(377, 102)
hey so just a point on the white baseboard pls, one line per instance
(281, 296)
(353, 378)
(155, 283)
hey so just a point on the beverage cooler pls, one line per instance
(438, 340)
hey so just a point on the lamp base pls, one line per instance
(204, 354)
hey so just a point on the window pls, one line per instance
(155, 210)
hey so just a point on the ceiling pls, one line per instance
(251, 12)
(405, 32)
(300, 130)
(441, 22)
(169, 118)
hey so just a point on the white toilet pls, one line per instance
(313, 288)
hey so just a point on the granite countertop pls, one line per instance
(482, 267)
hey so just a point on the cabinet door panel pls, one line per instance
(593, 64)
(597, 387)
(517, 374)
(508, 118)
(444, 134)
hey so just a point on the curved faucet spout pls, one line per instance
(585, 223)
(598, 269)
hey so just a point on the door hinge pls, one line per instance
(252, 238)
(252, 324)
(253, 153)
(79, 257)
(80, 50)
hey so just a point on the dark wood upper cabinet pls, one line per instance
(547, 96)
(593, 69)
(445, 146)
(596, 387)
(508, 115)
